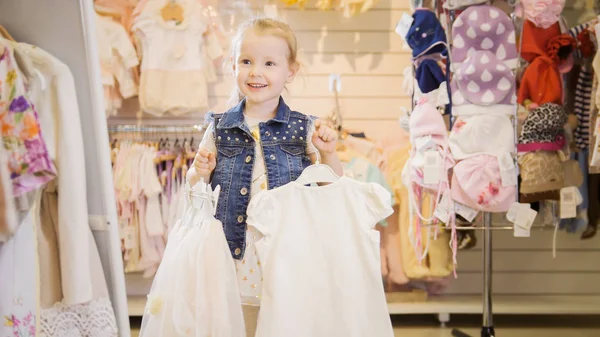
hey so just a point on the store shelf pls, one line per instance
(455, 304)
(503, 304)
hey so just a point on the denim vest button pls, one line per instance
(244, 191)
(240, 218)
(272, 157)
(248, 159)
(267, 133)
(237, 251)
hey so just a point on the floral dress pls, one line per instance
(30, 166)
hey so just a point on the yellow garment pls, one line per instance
(438, 262)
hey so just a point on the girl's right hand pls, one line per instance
(204, 163)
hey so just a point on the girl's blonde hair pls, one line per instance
(261, 26)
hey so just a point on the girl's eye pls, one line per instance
(270, 63)
(245, 61)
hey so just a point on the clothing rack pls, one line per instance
(487, 328)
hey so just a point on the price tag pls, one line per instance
(514, 209)
(335, 82)
(442, 211)
(508, 172)
(424, 143)
(568, 206)
(270, 11)
(524, 221)
(466, 212)
(404, 25)
(431, 170)
(129, 238)
(443, 97)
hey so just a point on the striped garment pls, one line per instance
(583, 93)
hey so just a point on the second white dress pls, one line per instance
(320, 260)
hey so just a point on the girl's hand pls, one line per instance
(204, 163)
(324, 138)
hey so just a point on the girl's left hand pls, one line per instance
(324, 138)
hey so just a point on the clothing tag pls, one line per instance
(568, 206)
(335, 79)
(424, 143)
(508, 172)
(514, 209)
(404, 25)
(431, 170)
(129, 237)
(519, 232)
(442, 211)
(577, 197)
(443, 97)
(270, 11)
(524, 221)
(466, 212)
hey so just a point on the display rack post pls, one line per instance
(487, 328)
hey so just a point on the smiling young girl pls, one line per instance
(258, 144)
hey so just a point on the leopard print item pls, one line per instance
(543, 124)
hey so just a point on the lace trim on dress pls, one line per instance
(93, 319)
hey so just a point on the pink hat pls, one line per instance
(543, 13)
(477, 183)
(426, 120)
(484, 27)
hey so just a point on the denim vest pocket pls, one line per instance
(296, 155)
(294, 149)
(230, 151)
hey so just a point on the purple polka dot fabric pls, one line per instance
(484, 27)
(482, 79)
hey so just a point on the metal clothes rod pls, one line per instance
(155, 128)
(494, 228)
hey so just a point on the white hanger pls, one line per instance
(317, 173)
(204, 191)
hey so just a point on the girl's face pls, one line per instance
(262, 68)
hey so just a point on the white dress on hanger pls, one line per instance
(320, 260)
(195, 291)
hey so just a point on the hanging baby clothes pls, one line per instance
(323, 257)
(118, 60)
(195, 291)
(176, 59)
(74, 293)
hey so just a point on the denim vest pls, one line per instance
(283, 141)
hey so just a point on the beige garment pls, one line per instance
(250, 319)
(51, 267)
(8, 213)
(392, 250)
(438, 262)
